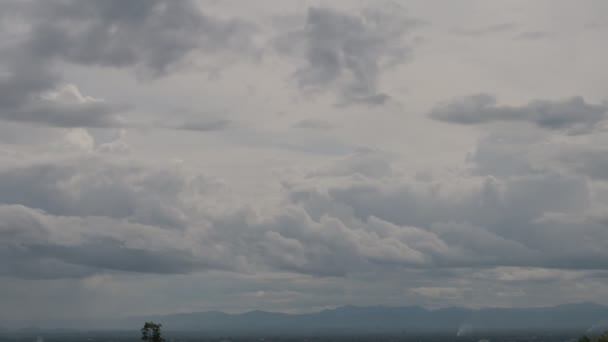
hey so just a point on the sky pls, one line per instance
(165, 156)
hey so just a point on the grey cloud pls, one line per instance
(474, 32)
(39, 245)
(349, 52)
(371, 100)
(94, 187)
(154, 35)
(574, 115)
(205, 126)
(370, 163)
(313, 124)
(22, 81)
(472, 221)
(293, 241)
(78, 217)
(61, 114)
(108, 254)
(32, 93)
(586, 160)
(532, 35)
(81, 218)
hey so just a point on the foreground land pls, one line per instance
(124, 336)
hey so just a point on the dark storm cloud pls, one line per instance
(574, 115)
(349, 52)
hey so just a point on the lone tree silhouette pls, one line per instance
(151, 332)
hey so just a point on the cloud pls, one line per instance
(38, 245)
(481, 31)
(65, 106)
(82, 215)
(152, 35)
(76, 217)
(313, 124)
(574, 115)
(349, 52)
(532, 35)
(99, 188)
(440, 292)
(537, 218)
(205, 126)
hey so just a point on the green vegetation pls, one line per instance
(151, 332)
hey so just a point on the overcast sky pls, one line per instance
(161, 156)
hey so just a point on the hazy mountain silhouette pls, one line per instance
(382, 319)
(374, 319)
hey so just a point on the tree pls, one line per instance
(603, 338)
(584, 338)
(151, 332)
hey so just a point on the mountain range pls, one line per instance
(581, 317)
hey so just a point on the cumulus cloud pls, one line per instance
(357, 215)
(538, 219)
(39, 245)
(76, 217)
(151, 37)
(574, 115)
(349, 52)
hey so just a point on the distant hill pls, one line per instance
(382, 319)
(580, 317)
